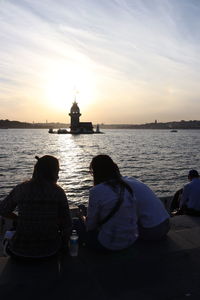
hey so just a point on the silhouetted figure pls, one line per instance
(190, 198)
(111, 216)
(43, 221)
(186, 200)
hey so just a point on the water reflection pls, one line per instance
(157, 157)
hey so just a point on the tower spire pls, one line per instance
(75, 94)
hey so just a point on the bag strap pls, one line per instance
(115, 208)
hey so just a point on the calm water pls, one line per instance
(157, 157)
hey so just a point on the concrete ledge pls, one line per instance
(167, 270)
(184, 222)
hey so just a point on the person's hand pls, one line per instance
(82, 208)
(83, 218)
(177, 212)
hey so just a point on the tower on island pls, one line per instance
(75, 115)
(75, 125)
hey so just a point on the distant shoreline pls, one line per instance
(193, 124)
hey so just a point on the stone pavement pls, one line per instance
(169, 269)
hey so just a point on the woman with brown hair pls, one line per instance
(122, 208)
(43, 220)
(111, 207)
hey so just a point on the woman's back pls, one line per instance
(150, 209)
(120, 231)
(43, 211)
(39, 211)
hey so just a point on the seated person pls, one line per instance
(43, 220)
(111, 216)
(153, 219)
(190, 199)
(138, 210)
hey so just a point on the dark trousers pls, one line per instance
(175, 204)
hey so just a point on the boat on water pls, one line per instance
(174, 130)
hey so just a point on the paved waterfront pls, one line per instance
(169, 269)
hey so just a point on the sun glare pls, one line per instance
(65, 83)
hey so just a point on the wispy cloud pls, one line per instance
(142, 52)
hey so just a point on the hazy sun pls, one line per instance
(65, 82)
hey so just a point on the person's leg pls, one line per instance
(176, 200)
(154, 233)
(29, 259)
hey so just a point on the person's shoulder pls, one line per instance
(58, 188)
(22, 185)
(98, 187)
(132, 180)
(59, 193)
(188, 185)
(195, 182)
(101, 189)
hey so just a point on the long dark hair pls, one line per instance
(105, 170)
(46, 169)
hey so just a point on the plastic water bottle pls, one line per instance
(73, 243)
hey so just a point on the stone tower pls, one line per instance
(75, 115)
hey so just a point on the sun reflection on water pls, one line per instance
(156, 157)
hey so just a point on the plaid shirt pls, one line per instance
(43, 214)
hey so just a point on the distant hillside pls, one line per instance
(192, 124)
(17, 124)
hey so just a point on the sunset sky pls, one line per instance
(126, 61)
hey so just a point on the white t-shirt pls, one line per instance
(191, 194)
(150, 210)
(120, 231)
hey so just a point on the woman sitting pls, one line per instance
(111, 216)
(120, 208)
(43, 220)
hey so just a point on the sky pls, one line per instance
(124, 61)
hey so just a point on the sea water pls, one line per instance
(159, 158)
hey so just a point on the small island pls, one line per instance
(77, 127)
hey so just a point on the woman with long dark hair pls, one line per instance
(111, 208)
(122, 208)
(43, 220)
